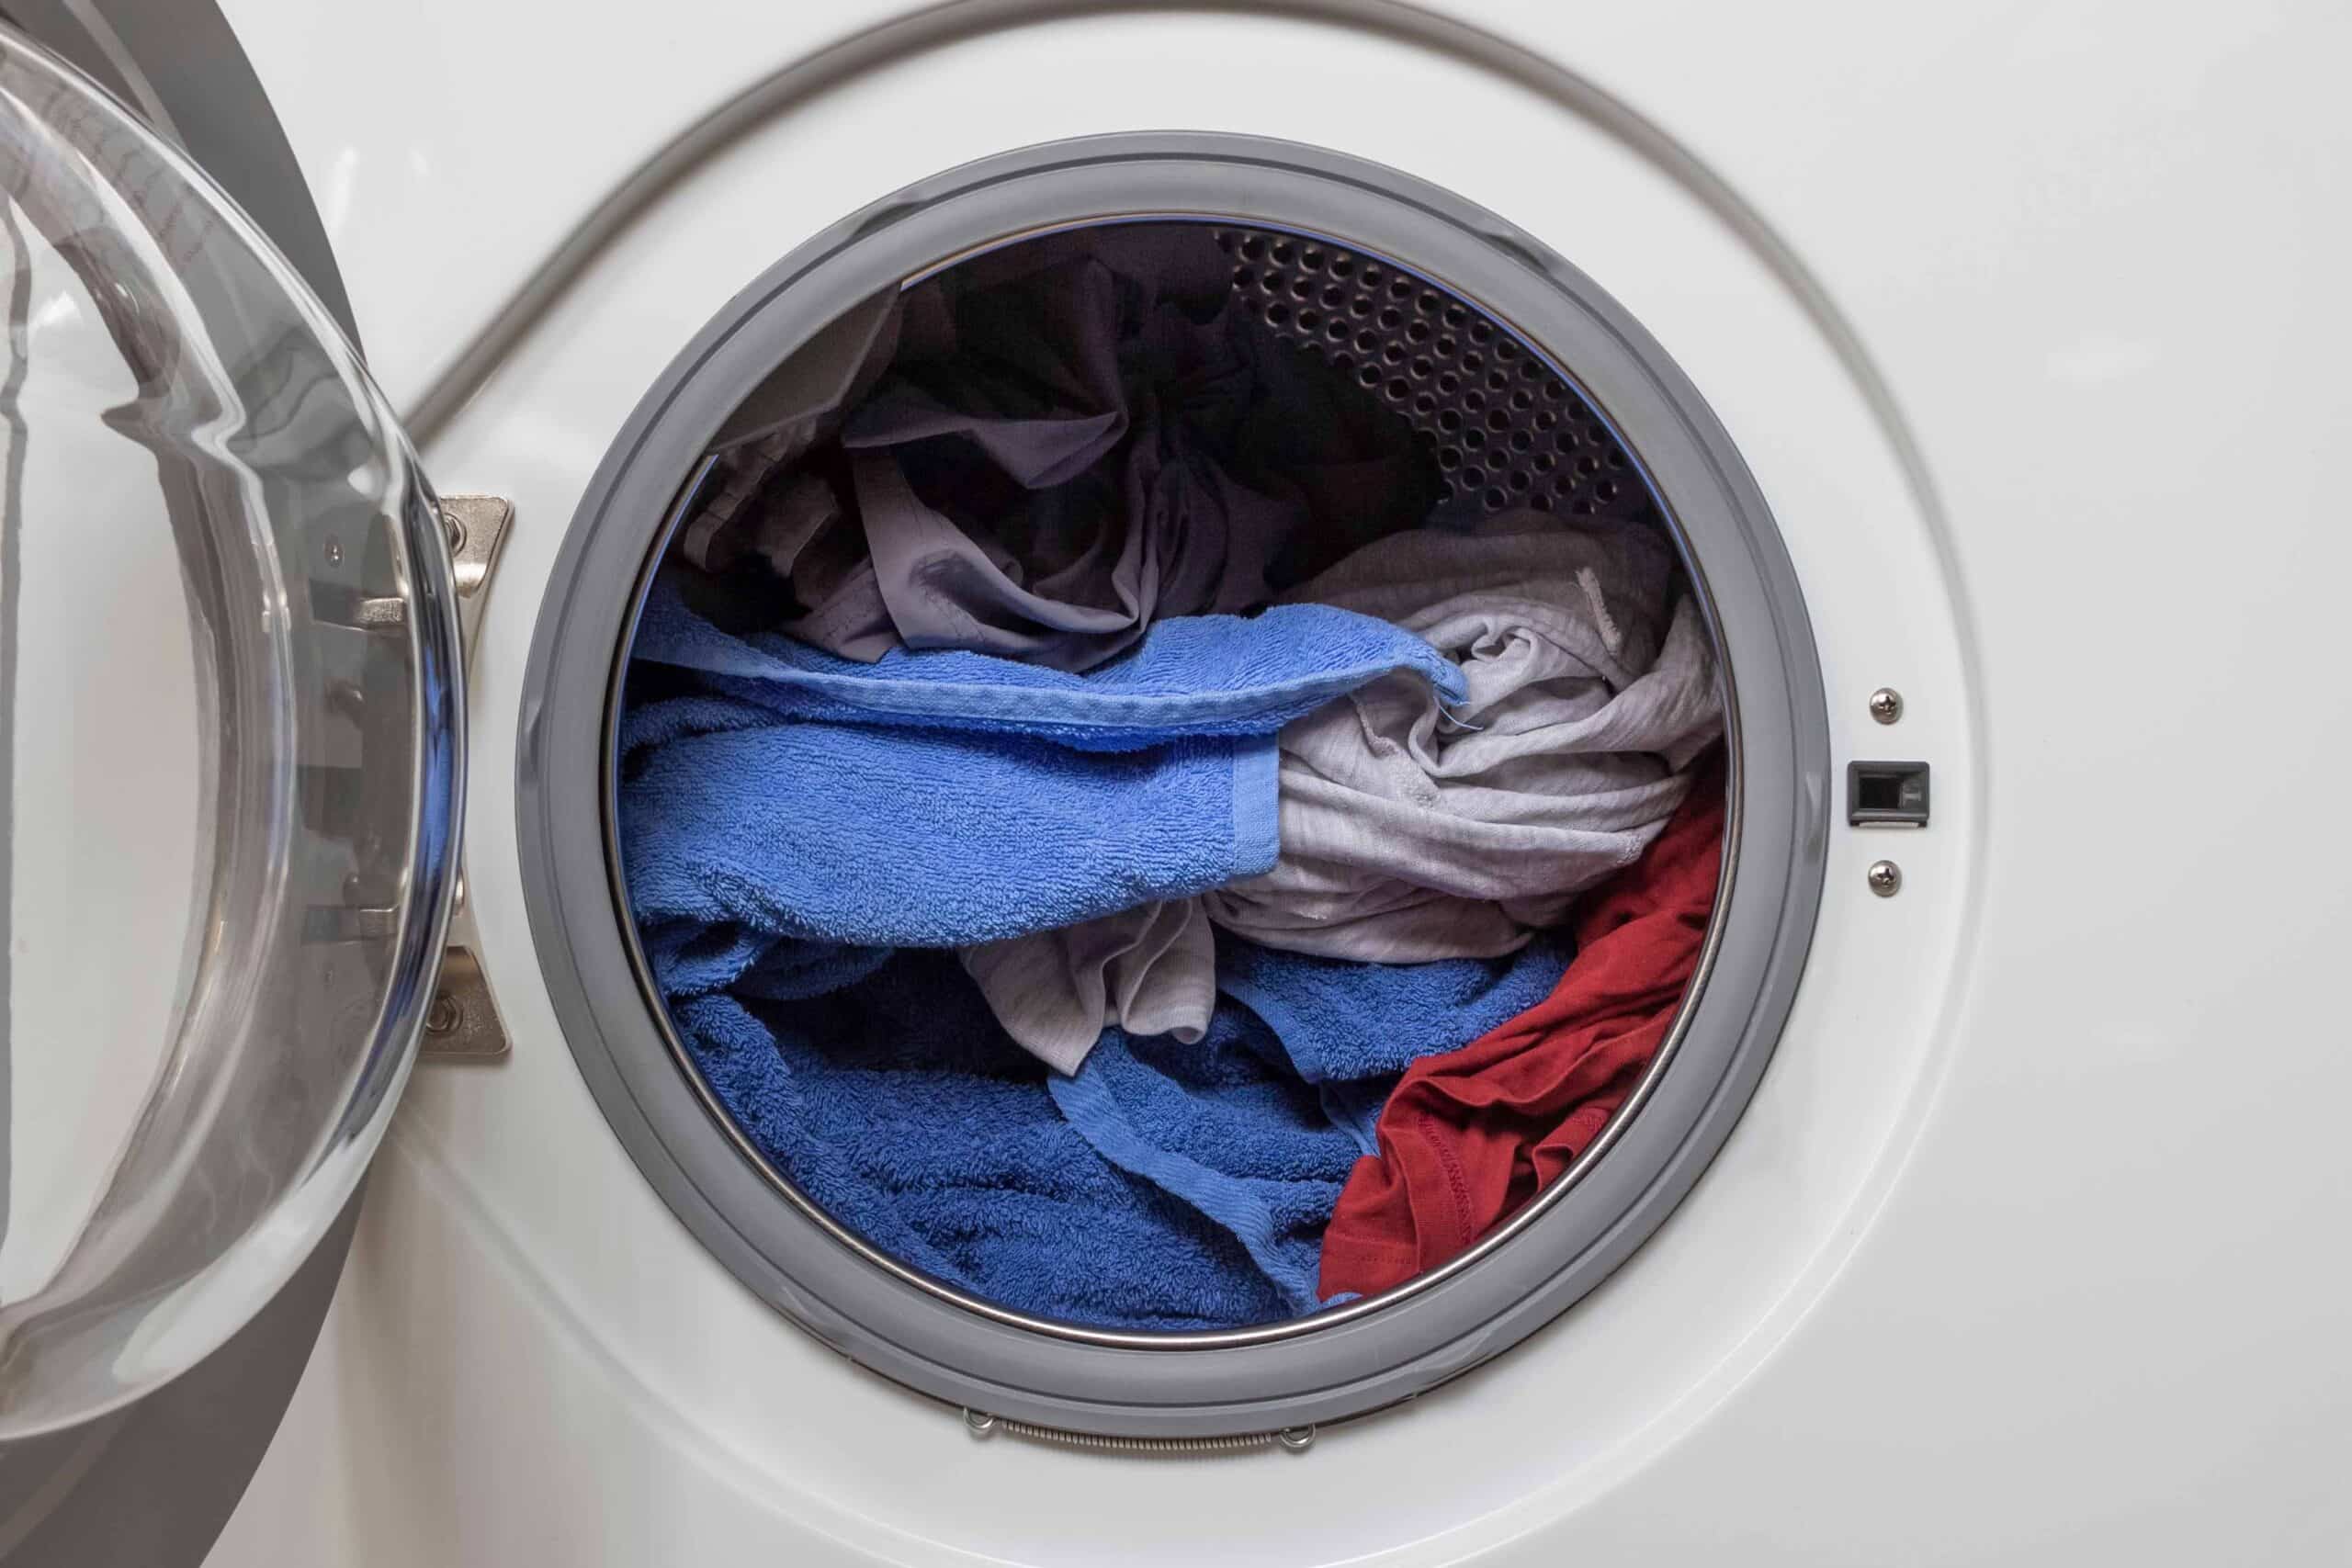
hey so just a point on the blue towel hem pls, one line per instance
(1089, 710)
(1257, 806)
(1102, 1123)
(1095, 711)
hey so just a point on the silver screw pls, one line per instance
(1885, 878)
(980, 1423)
(1298, 1440)
(1886, 705)
(444, 1015)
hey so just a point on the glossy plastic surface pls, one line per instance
(229, 758)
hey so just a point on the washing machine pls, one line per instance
(1986, 1201)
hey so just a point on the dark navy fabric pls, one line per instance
(902, 1110)
(1165, 1187)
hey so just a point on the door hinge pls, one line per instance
(462, 1022)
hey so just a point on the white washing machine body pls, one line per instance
(2028, 1246)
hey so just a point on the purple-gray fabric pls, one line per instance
(1077, 437)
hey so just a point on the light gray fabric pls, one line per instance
(1409, 834)
(1150, 970)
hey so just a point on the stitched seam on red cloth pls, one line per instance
(1456, 1181)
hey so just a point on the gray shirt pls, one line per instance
(1409, 833)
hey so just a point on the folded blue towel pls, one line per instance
(1196, 676)
(903, 1110)
(1258, 1125)
(944, 800)
(922, 837)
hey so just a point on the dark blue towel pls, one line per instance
(1197, 676)
(1170, 1187)
(903, 1110)
(1166, 1187)
(1258, 1125)
(690, 958)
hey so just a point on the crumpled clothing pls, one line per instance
(1414, 829)
(1078, 437)
(951, 798)
(734, 510)
(1150, 970)
(1468, 1138)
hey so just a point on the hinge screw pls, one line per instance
(1886, 705)
(444, 1015)
(1885, 878)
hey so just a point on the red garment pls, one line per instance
(1471, 1136)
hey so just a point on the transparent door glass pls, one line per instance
(229, 758)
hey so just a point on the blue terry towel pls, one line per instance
(920, 838)
(956, 810)
(1195, 676)
(690, 958)
(900, 1107)
(1257, 1124)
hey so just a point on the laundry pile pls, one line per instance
(1112, 843)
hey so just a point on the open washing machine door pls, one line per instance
(231, 768)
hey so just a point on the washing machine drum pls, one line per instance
(906, 548)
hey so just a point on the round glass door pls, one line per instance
(229, 758)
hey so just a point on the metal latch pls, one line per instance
(461, 1022)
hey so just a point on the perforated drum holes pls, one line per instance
(1506, 430)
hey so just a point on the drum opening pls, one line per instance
(723, 580)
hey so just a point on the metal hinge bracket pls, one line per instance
(462, 1022)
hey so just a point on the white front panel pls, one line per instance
(2023, 1250)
